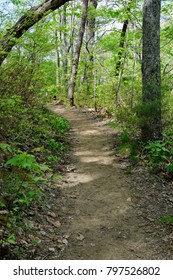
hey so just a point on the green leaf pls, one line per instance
(24, 161)
(6, 148)
(166, 219)
(39, 149)
(44, 167)
(2, 204)
(11, 239)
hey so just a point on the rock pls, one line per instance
(52, 250)
(48, 206)
(80, 237)
(57, 224)
(65, 241)
(71, 168)
(66, 236)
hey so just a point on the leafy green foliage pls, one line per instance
(166, 219)
(157, 151)
(24, 161)
(159, 154)
(32, 142)
(11, 239)
(6, 148)
(169, 168)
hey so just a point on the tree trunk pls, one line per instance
(64, 48)
(122, 40)
(31, 17)
(120, 82)
(57, 59)
(121, 47)
(151, 77)
(134, 69)
(90, 42)
(77, 53)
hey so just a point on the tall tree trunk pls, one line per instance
(77, 53)
(57, 59)
(72, 33)
(64, 47)
(122, 40)
(90, 42)
(120, 81)
(151, 77)
(121, 47)
(134, 69)
(31, 17)
(57, 56)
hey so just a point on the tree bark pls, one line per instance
(57, 59)
(122, 40)
(31, 17)
(64, 48)
(121, 47)
(77, 53)
(90, 43)
(151, 77)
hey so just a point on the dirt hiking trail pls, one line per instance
(99, 207)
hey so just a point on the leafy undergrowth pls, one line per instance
(32, 145)
(158, 154)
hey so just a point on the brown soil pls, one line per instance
(104, 212)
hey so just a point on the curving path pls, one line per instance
(100, 220)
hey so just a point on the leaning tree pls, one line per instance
(31, 17)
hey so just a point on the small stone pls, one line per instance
(57, 224)
(66, 236)
(65, 241)
(52, 250)
(129, 199)
(80, 237)
(48, 206)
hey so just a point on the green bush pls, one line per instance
(157, 151)
(159, 154)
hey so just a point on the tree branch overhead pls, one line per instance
(32, 16)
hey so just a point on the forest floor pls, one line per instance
(97, 210)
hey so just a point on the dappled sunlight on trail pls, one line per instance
(101, 221)
(73, 179)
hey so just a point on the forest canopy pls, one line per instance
(110, 40)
